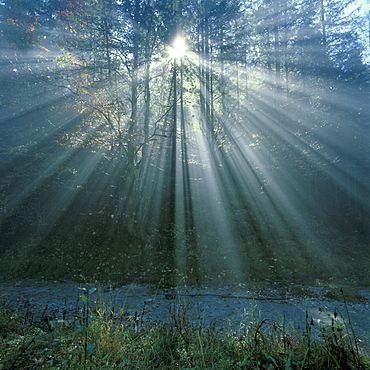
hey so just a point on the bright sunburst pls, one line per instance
(178, 48)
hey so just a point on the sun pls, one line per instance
(178, 48)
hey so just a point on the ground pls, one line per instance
(222, 305)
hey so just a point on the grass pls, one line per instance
(101, 339)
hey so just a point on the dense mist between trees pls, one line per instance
(191, 140)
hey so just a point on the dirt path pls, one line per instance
(233, 306)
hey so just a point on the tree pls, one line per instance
(20, 20)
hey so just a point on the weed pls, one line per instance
(107, 340)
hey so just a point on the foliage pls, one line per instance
(109, 340)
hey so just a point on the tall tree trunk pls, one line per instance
(171, 226)
(192, 259)
(222, 85)
(277, 56)
(147, 98)
(323, 23)
(269, 60)
(237, 68)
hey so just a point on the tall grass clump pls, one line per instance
(103, 339)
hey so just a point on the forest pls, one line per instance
(189, 140)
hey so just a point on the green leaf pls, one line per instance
(81, 328)
(270, 358)
(90, 349)
(288, 363)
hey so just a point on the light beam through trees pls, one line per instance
(236, 151)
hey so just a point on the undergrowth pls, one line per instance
(101, 339)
